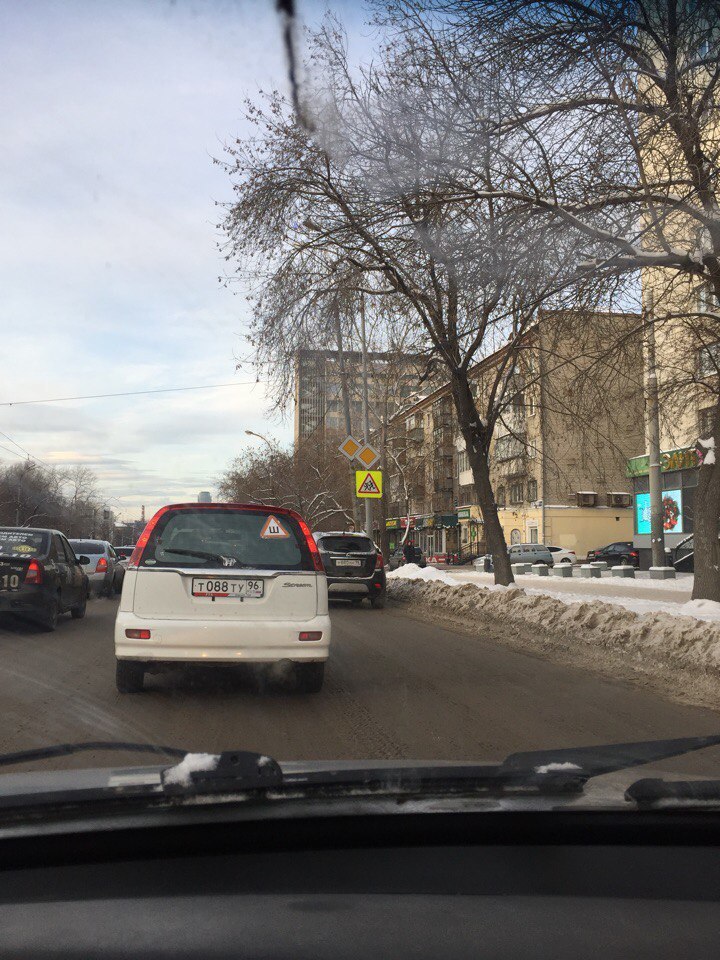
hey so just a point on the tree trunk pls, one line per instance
(707, 524)
(477, 444)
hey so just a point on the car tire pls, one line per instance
(377, 603)
(50, 621)
(624, 560)
(309, 677)
(566, 560)
(129, 676)
(78, 612)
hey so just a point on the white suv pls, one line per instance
(223, 583)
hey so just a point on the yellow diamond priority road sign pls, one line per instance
(349, 447)
(368, 456)
(368, 483)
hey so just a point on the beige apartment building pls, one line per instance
(558, 456)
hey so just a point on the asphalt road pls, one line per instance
(396, 687)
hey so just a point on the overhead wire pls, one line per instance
(128, 393)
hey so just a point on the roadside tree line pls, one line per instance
(34, 495)
(495, 157)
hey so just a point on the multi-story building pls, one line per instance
(319, 410)
(558, 454)
(687, 361)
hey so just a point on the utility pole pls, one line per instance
(366, 410)
(345, 393)
(657, 532)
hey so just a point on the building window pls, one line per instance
(709, 360)
(532, 490)
(531, 405)
(508, 447)
(500, 497)
(533, 534)
(705, 421)
(516, 492)
(463, 462)
(706, 299)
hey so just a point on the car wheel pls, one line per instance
(309, 677)
(377, 603)
(129, 676)
(50, 621)
(566, 560)
(624, 560)
(78, 612)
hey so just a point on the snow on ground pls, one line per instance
(659, 636)
(639, 596)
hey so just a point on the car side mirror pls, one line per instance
(83, 560)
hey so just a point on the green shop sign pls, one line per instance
(684, 458)
(464, 514)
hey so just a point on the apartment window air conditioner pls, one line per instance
(619, 499)
(586, 498)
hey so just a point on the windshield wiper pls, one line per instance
(649, 791)
(203, 554)
(66, 749)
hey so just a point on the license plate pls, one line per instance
(227, 587)
(349, 563)
(9, 580)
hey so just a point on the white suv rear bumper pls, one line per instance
(226, 641)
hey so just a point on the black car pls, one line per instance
(354, 566)
(397, 557)
(615, 554)
(40, 576)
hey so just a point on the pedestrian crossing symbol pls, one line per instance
(368, 483)
(273, 530)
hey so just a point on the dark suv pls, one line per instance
(615, 554)
(354, 566)
(40, 576)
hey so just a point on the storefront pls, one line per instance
(396, 527)
(679, 480)
(471, 538)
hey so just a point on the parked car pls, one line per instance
(531, 553)
(561, 555)
(354, 567)
(105, 571)
(616, 554)
(40, 575)
(397, 558)
(223, 583)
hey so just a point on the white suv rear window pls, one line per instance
(227, 538)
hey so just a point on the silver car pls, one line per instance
(104, 571)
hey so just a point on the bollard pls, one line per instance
(541, 569)
(662, 573)
(519, 569)
(624, 571)
(562, 570)
(598, 564)
(590, 570)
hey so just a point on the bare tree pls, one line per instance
(612, 113)
(385, 187)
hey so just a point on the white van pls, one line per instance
(223, 583)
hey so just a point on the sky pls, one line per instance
(110, 116)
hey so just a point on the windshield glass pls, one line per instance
(346, 544)
(23, 543)
(334, 316)
(204, 538)
(87, 547)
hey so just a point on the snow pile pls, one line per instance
(651, 638)
(191, 762)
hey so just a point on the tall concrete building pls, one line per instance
(204, 497)
(319, 410)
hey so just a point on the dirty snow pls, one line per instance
(191, 762)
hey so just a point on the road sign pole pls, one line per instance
(366, 411)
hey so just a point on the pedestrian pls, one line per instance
(409, 551)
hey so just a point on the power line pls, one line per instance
(128, 393)
(20, 447)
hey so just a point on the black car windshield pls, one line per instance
(346, 544)
(242, 538)
(24, 543)
(87, 547)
